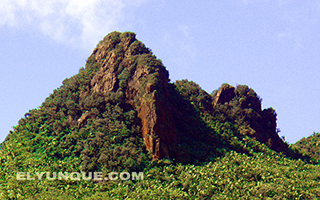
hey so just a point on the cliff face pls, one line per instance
(129, 68)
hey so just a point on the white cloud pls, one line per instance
(72, 21)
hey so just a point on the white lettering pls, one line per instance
(21, 176)
(136, 176)
(124, 176)
(77, 178)
(39, 175)
(111, 176)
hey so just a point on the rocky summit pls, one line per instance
(127, 66)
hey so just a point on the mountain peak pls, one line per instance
(125, 87)
(127, 67)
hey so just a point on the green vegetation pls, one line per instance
(309, 146)
(227, 148)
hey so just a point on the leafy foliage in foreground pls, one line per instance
(224, 151)
(233, 176)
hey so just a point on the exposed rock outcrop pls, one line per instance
(128, 66)
(225, 94)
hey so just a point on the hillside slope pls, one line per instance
(309, 146)
(121, 114)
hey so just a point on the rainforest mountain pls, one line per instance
(121, 113)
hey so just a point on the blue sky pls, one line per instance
(273, 46)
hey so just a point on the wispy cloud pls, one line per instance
(74, 21)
